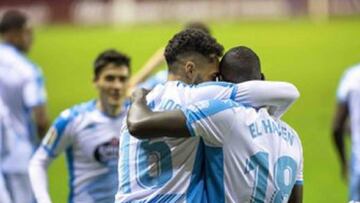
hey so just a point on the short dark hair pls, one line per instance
(240, 64)
(110, 56)
(198, 25)
(191, 41)
(12, 20)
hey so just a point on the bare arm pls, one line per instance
(41, 119)
(338, 130)
(296, 194)
(144, 123)
(155, 61)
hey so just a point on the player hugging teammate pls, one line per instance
(211, 133)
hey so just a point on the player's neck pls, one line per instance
(109, 110)
(173, 77)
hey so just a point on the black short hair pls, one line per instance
(191, 41)
(12, 20)
(240, 64)
(110, 56)
(198, 25)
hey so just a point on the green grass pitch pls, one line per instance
(311, 55)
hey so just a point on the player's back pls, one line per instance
(162, 169)
(21, 87)
(249, 156)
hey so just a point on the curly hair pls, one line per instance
(190, 41)
(12, 20)
(110, 56)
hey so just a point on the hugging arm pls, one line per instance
(144, 123)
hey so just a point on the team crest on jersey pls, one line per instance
(107, 153)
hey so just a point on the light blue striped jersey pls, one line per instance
(349, 93)
(170, 169)
(21, 88)
(159, 78)
(90, 140)
(249, 156)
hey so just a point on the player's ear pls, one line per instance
(189, 70)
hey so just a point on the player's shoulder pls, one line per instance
(352, 72)
(70, 114)
(291, 130)
(18, 61)
(208, 108)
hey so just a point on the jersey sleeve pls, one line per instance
(344, 88)
(34, 93)
(209, 120)
(59, 136)
(278, 96)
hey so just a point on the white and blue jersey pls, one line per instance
(21, 89)
(170, 169)
(159, 78)
(349, 93)
(249, 156)
(90, 140)
(6, 133)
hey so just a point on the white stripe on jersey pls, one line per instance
(250, 157)
(169, 169)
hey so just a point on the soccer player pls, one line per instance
(249, 155)
(22, 90)
(5, 134)
(89, 135)
(157, 60)
(348, 97)
(170, 170)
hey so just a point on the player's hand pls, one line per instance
(139, 94)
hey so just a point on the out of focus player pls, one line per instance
(170, 170)
(22, 90)
(89, 135)
(156, 61)
(348, 98)
(5, 133)
(249, 155)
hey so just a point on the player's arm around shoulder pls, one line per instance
(143, 123)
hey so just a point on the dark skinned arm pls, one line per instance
(296, 194)
(41, 120)
(143, 123)
(338, 131)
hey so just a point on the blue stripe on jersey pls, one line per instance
(124, 182)
(61, 122)
(222, 84)
(233, 93)
(70, 165)
(195, 192)
(205, 109)
(214, 174)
